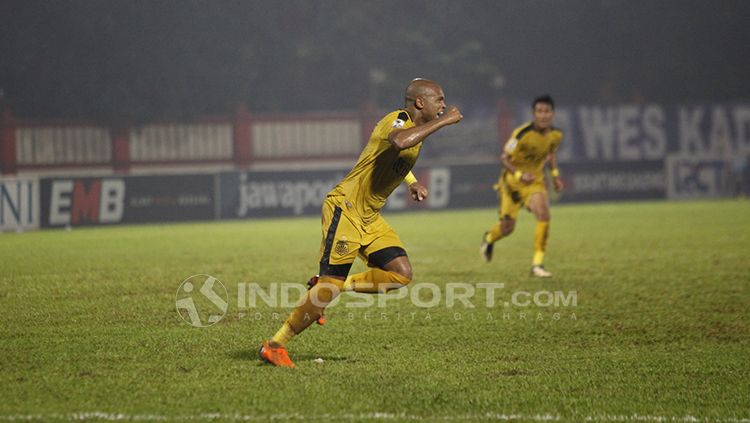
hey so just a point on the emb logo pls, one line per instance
(86, 201)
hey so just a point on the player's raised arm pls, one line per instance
(425, 103)
(406, 138)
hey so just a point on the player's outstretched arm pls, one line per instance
(407, 138)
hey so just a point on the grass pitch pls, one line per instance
(659, 330)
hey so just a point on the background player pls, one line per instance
(522, 181)
(352, 224)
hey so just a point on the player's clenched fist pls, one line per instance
(452, 115)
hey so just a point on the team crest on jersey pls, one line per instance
(342, 247)
(398, 123)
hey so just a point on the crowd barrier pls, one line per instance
(29, 203)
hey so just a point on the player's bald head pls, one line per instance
(420, 87)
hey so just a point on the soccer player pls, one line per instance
(352, 224)
(521, 183)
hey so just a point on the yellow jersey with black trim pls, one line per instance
(528, 148)
(379, 169)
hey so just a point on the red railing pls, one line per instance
(236, 142)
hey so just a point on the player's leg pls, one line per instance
(538, 203)
(510, 204)
(389, 266)
(339, 248)
(308, 310)
(399, 265)
(381, 277)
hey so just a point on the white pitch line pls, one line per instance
(99, 415)
(650, 418)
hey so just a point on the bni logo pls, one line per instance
(201, 300)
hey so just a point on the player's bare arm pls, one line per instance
(402, 139)
(556, 179)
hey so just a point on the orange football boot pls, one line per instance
(275, 355)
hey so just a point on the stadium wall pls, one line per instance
(609, 153)
(30, 203)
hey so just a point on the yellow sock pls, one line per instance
(540, 242)
(375, 281)
(309, 308)
(284, 335)
(494, 234)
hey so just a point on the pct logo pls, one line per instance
(204, 307)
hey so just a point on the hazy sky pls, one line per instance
(158, 58)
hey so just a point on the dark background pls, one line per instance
(145, 60)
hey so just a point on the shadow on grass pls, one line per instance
(252, 355)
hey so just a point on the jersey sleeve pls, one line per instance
(510, 146)
(395, 120)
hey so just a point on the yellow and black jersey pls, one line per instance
(379, 169)
(528, 148)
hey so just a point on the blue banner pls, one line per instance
(648, 132)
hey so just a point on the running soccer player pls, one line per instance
(352, 224)
(521, 183)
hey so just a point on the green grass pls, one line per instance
(661, 326)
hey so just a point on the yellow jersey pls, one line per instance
(528, 148)
(379, 169)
